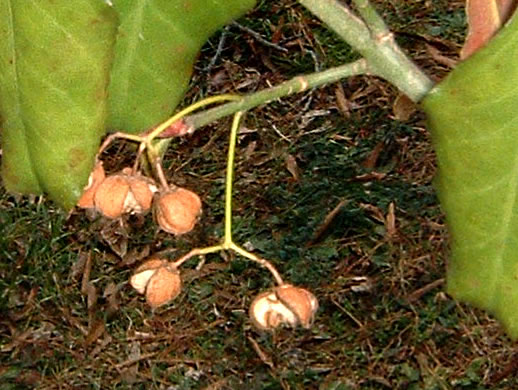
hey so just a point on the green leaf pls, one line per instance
(473, 116)
(157, 44)
(55, 58)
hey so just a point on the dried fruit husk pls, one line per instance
(177, 210)
(159, 280)
(94, 181)
(285, 304)
(267, 312)
(163, 286)
(143, 273)
(110, 196)
(124, 193)
(300, 301)
(143, 190)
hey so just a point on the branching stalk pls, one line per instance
(193, 107)
(290, 87)
(265, 263)
(227, 243)
(374, 43)
(371, 17)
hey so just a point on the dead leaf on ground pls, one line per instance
(116, 236)
(91, 294)
(78, 267)
(25, 298)
(262, 355)
(107, 340)
(372, 159)
(250, 149)
(370, 176)
(21, 376)
(440, 58)
(390, 221)
(342, 102)
(293, 168)
(95, 331)
(86, 274)
(111, 294)
(135, 255)
(374, 211)
(324, 226)
(129, 375)
(403, 108)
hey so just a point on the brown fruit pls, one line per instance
(111, 195)
(143, 273)
(143, 189)
(177, 210)
(285, 304)
(124, 193)
(163, 286)
(300, 301)
(94, 181)
(159, 280)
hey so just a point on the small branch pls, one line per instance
(374, 43)
(417, 294)
(369, 14)
(197, 252)
(161, 176)
(186, 111)
(290, 87)
(114, 136)
(258, 37)
(265, 263)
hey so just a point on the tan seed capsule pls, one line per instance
(267, 312)
(285, 304)
(300, 301)
(163, 286)
(177, 210)
(111, 195)
(142, 190)
(94, 181)
(142, 274)
(159, 280)
(124, 193)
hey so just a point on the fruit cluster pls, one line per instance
(176, 210)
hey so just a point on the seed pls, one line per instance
(285, 304)
(177, 210)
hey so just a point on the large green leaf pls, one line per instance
(55, 58)
(57, 61)
(157, 44)
(473, 115)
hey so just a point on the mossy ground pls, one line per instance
(377, 268)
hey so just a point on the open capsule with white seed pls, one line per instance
(286, 304)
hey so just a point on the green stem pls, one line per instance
(374, 43)
(374, 21)
(197, 252)
(227, 242)
(263, 262)
(179, 115)
(230, 177)
(290, 87)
